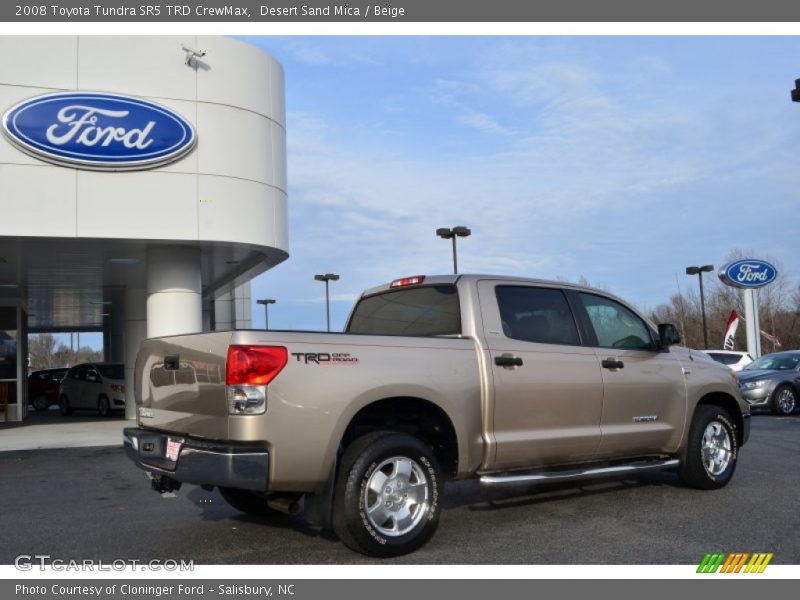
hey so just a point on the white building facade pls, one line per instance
(131, 249)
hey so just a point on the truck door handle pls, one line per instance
(506, 360)
(612, 363)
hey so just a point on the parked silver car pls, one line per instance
(772, 381)
(95, 386)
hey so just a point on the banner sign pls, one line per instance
(417, 11)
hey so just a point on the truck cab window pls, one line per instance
(615, 325)
(533, 314)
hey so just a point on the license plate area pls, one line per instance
(173, 449)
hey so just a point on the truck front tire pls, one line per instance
(709, 458)
(388, 494)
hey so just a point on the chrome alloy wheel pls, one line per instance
(786, 401)
(716, 448)
(396, 496)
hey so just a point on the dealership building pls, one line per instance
(142, 186)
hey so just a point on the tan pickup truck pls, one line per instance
(511, 381)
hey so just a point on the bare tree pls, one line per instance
(42, 351)
(45, 353)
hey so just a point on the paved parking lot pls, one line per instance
(82, 503)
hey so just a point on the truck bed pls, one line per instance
(328, 378)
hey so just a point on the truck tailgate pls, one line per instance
(180, 384)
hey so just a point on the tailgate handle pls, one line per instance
(507, 360)
(612, 363)
(172, 362)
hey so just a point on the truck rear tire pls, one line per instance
(709, 458)
(248, 502)
(387, 497)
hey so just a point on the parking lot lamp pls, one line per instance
(699, 272)
(327, 277)
(451, 234)
(266, 302)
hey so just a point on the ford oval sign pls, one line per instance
(93, 130)
(748, 273)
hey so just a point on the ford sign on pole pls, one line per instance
(748, 273)
(93, 130)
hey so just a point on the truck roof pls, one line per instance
(452, 279)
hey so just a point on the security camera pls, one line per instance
(191, 53)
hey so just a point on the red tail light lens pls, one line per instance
(254, 365)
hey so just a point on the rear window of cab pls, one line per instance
(416, 311)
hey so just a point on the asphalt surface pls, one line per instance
(91, 503)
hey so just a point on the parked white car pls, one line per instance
(735, 359)
(93, 386)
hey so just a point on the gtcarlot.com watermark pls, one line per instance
(43, 562)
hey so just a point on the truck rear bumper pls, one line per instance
(200, 462)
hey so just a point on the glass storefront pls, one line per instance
(12, 368)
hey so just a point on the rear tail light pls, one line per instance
(415, 280)
(248, 370)
(254, 365)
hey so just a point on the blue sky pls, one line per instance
(620, 159)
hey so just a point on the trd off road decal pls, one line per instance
(325, 358)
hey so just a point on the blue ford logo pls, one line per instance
(748, 273)
(98, 131)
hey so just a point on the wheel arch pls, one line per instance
(412, 415)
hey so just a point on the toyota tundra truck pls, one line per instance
(511, 381)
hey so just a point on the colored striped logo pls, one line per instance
(737, 562)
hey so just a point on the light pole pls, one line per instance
(327, 277)
(266, 302)
(451, 234)
(699, 272)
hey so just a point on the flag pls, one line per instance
(730, 332)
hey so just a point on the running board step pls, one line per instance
(586, 473)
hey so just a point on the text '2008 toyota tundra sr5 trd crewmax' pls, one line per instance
(507, 380)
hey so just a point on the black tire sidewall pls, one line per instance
(64, 406)
(368, 539)
(41, 403)
(695, 471)
(100, 405)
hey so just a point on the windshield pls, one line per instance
(725, 359)
(784, 362)
(419, 311)
(112, 371)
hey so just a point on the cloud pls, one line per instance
(564, 162)
(482, 122)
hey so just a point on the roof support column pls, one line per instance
(135, 330)
(174, 303)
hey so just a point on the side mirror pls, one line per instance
(668, 335)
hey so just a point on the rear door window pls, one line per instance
(540, 315)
